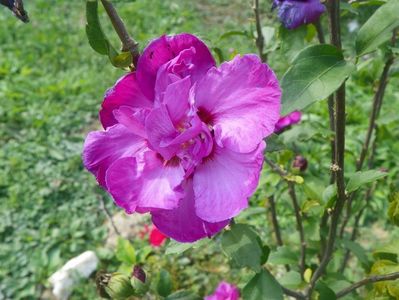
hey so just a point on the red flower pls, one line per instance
(156, 237)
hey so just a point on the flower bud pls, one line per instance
(118, 286)
(139, 281)
(300, 163)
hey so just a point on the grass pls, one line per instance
(51, 86)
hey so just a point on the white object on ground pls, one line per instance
(78, 267)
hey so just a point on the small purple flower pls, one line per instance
(224, 291)
(294, 13)
(183, 138)
(288, 120)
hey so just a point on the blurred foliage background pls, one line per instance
(51, 87)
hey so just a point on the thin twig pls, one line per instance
(340, 120)
(297, 210)
(291, 293)
(324, 219)
(371, 279)
(260, 40)
(128, 43)
(320, 32)
(276, 226)
(107, 213)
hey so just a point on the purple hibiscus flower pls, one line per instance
(288, 120)
(294, 13)
(183, 139)
(224, 291)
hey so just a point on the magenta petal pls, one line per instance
(176, 99)
(242, 99)
(224, 291)
(132, 118)
(123, 183)
(160, 183)
(182, 224)
(157, 186)
(161, 132)
(102, 148)
(224, 182)
(165, 48)
(126, 91)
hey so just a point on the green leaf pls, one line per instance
(177, 248)
(94, 31)
(315, 74)
(283, 255)
(329, 195)
(125, 252)
(263, 286)
(309, 205)
(388, 252)
(359, 252)
(291, 279)
(360, 178)
(99, 42)
(274, 143)
(378, 29)
(243, 246)
(325, 293)
(393, 209)
(164, 283)
(183, 295)
(292, 41)
(382, 267)
(234, 33)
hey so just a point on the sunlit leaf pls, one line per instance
(378, 28)
(315, 74)
(263, 286)
(360, 178)
(243, 246)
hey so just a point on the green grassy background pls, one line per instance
(51, 87)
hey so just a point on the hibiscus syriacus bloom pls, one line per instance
(225, 291)
(183, 139)
(294, 13)
(288, 120)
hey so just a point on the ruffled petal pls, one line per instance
(241, 100)
(124, 182)
(223, 183)
(155, 186)
(161, 132)
(182, 224)
(294, 13)
(125, 92)
(164, 49)
(102, 148)
(161, 183)
(132, 118)
(176, 100)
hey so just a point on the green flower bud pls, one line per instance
(139, 281)
(119, 287)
